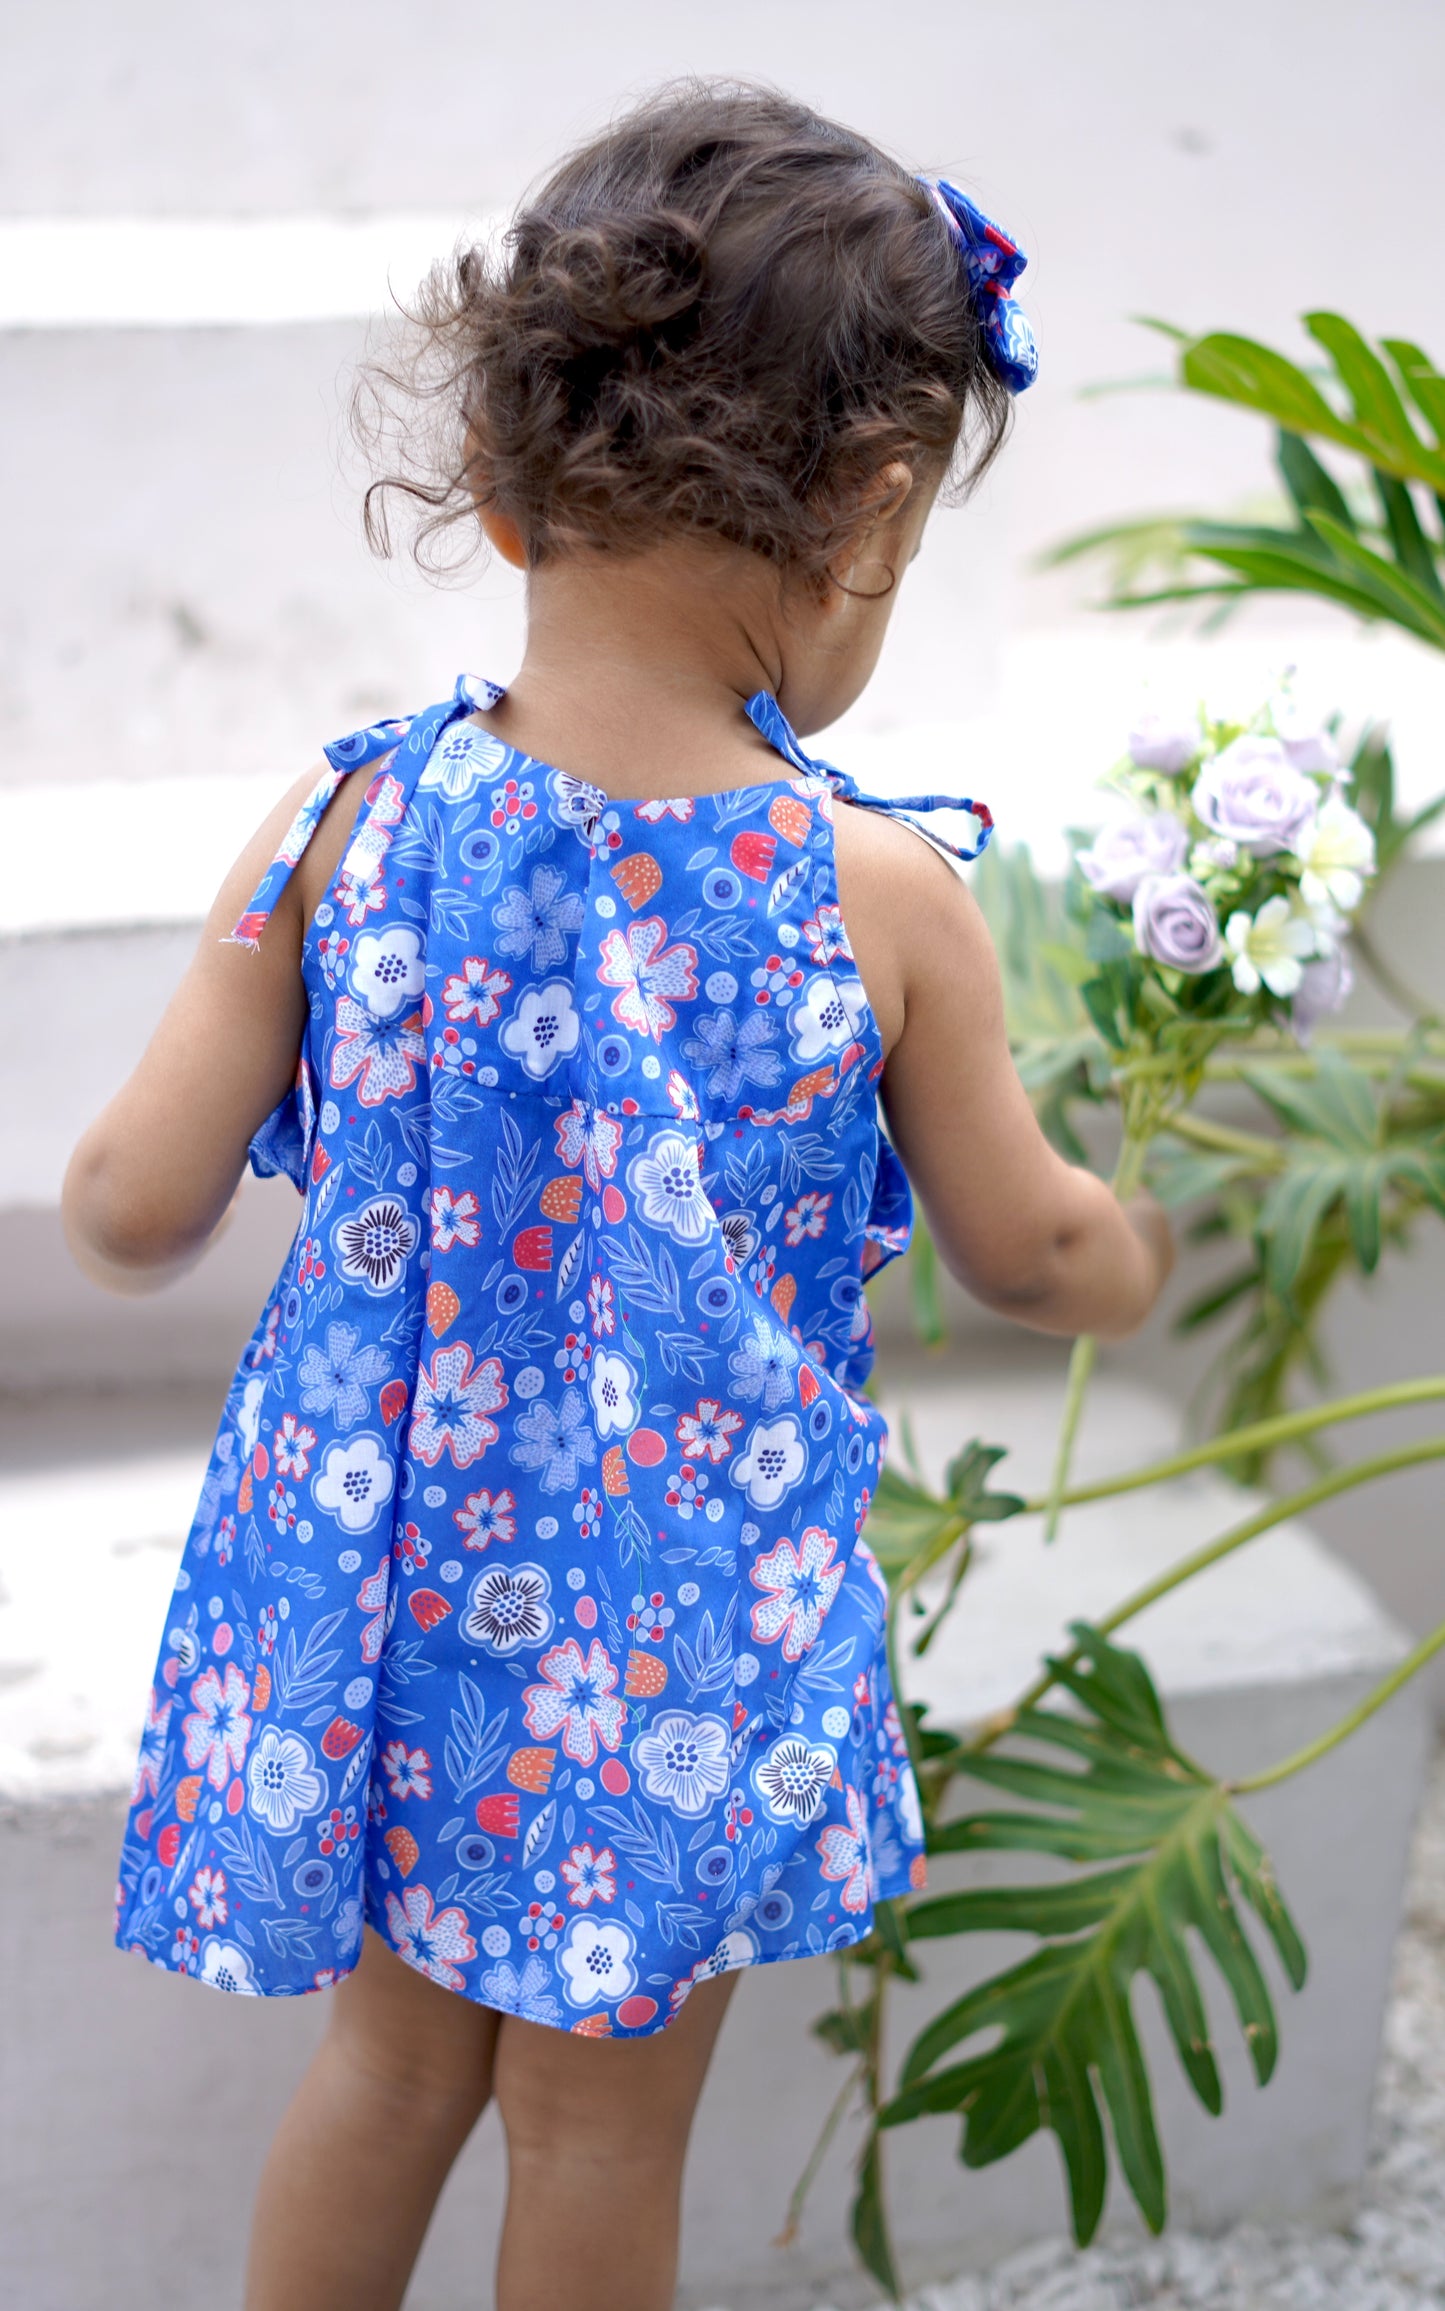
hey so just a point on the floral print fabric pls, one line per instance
(525, 1613)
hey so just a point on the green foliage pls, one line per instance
(1341, 1154)
(1375, 550)
(1178, 1864)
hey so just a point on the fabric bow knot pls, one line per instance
(991, 265)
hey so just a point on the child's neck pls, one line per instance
(637, 668)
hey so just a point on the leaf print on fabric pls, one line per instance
(652, 976)
(452, 1407)
(543, 1030)
(668, 1186)
(772, 1462)
(763, 1367)
(380, 1056)
(588, 1136)
(473, 995)
(508, 1608)
(374, 1243)
(577, 1699)
(435, 1943)
(558, 1443)
(387, 970)
(684, 1761)
(537, 922)
(801, 1584)
(733, 1053)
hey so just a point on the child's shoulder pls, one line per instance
(905, 906)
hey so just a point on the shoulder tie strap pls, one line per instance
(768, 717)
(406, 747)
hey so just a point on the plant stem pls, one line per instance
(809, 2175)
(1261, 1436)
(1127, 1174)
(1338, 1480)
(1266, 1154)
(1385, 1691)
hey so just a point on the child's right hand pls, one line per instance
(1038, 1239)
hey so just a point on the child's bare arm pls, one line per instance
(152, 1178)
(1039, 1239)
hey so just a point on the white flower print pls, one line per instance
(151, 1755)
(544, 1029)
(591, 1876)
(610, 1385)
(485, 1517)
(436, 1943)
(226, 1967)
(653, 977)
(707, 1432)
(218, 1728)
(684, 1761)
(383, 1053)
(408, 1771)
(578, 1699)
(764, 1366)
(845, 1854)
(452, 1406)
(537, 922)
(387, 970)
(559, 1443)
(801, 1584)
(588, 1136)
(463, 757)
(792, 1777)
(734, 1052)
(336, 1379)
(455, 1219)
(827, 1015)
(207, 1896)
(283, 1780)
(507, 1608)
(668, 1187)
(525, 1995)
(375, 1242)
(355, 1481)
(772, 1462)
(474, 994)
(596, 1960)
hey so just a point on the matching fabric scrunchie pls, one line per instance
(991, 265)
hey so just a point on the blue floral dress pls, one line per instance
(525, 1614)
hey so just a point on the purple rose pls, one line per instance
(1167, 742)
(1324, 987)
(1252, 794)
(1175, 923)
(1122, 855)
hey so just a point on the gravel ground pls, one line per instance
(1392, 2257)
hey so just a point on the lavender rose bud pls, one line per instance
(1175, 923)
(1120, 856)
(1252, 794)
(1324, 987)
(1167, 742)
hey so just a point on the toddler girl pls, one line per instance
(525, 1677)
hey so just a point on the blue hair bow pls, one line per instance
(991, 265)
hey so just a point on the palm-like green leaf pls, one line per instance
(1178, 1861)
(1344, 1154)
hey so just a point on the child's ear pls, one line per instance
(502, 532)
(873, 551)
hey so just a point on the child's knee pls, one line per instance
(411, 2040)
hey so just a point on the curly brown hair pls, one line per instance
(724, 316)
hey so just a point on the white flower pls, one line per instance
(283, 1779)
(461, 759)
(1308, 744)
(774, 1459)
(666, 1184)
(683, 1760)
(597, 1961)
(1120, 856)
(792, 1777)
(1271, 947)
(375, 1242)
(508, 1608)
(1324, 988)
(610, 1385)
(827, 1015)
(226, 1967)
(1167, 742)
(544, 1028)
(387, 970)
(1335, 854)
(355, 1482)
(1252, 794)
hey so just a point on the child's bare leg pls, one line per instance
(596, 2133)
(395, 2088)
